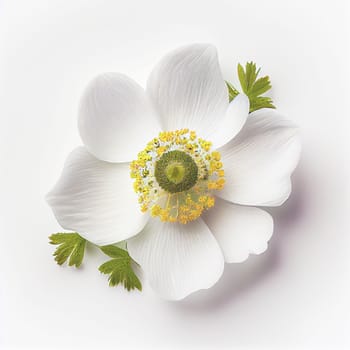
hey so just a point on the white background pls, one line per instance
(295, 296)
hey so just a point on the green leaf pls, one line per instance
(70, 245)
(260, 86)
(232, 91)
(253, 87)
(260, 102)
(119, 268)
(251, 74)
(242, 78)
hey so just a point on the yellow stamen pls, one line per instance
(206, 172)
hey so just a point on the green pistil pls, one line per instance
(176, 171)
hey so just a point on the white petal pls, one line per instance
(116, 119)
(240, 230)
(96, 199)
(259, 161)
(177, 259)
(188, 89)
(229, 126)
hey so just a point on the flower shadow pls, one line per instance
(244, 277)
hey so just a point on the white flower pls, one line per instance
(177, 176)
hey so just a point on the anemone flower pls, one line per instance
(176, 171)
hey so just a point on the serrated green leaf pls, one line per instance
(70, 245)
(115, 252)
(119, 268)
(252, 87)
(232, 91)
(251, 74)
(261, 86)
(242, 77)
(260, 102)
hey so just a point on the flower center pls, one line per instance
(176, 171)
(175, 176)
